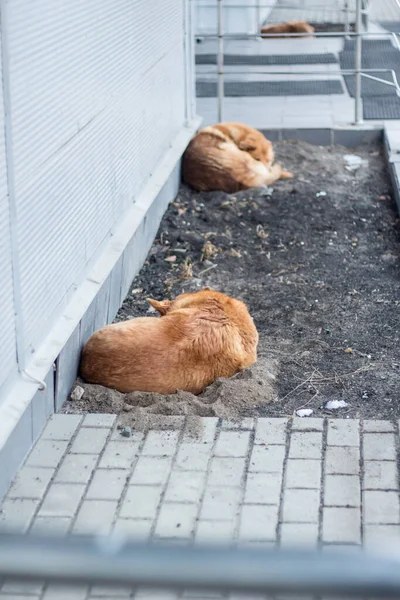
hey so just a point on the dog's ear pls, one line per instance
(246, 147)
(161, 307)
(207, 289)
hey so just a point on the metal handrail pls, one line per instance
(285, 7)
(358, 34)
(116, 561)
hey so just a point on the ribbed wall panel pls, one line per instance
(71, 59)
(87, 149)
(8, 360)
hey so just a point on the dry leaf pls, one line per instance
(209, 251)
(235, 253)
(349, 350)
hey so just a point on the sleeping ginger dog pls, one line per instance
(199, 337)
(290, 27)
(230, 157)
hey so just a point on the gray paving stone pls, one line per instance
(200, 431)
(214, 531)
(102, 591)
(17, 514)
(76, 468)
(380, 475)
(271, 431)
(343, 460)
(246, 423)
(90, 440)
(107, 484)
(377, 425)
(343, 432)
(137, 436)
(111, 592)
(381, 507)
(186, 487)
(342, 490)
(51, 525)
(376, 536)
(303, 473)
(226, 471)
(17, 597)
(160, 443)
(136, 528)
(95, 517)
(31, 482)
(61, 427)
(258, 522)
(263, 488)
(151, 470)
(65, 592)
(342, 525)
(304, 444)
(232, 443)
(176, 521)
(21, 587)
(155, 594)
(301, 506)
(62, 500)
(379, 446)
(308, 423)
(119, 455)
(193, 457)
(141, 502)
(299, 534)
(46, 453)
(220, 503)
(267, 459)
(99, 420)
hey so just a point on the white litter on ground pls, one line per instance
(304, 412)
(354, 162)
(335, 404)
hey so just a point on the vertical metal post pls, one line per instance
(365, 15)
(258, 17)
(358, 57)
(346, 19)
(220, 60)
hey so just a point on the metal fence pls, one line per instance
(360, 11)
(115, 561)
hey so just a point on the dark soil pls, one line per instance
(317, 263)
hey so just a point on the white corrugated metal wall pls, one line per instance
(8, 353)
(96, 92)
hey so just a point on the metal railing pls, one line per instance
(116, 561)
(361, 13)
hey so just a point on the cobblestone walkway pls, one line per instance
(271, 481)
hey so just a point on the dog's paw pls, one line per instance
(286, 175)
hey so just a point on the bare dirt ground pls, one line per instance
(316, 261)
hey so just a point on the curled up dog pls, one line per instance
(289, 27)
(200, 337)
(230, 157)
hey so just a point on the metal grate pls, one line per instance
(268, 60)
(237, 89)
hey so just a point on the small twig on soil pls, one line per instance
(308, 380)
(314, 381)
(205, 270)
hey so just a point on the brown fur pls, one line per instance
(290, 27)
(230, 157)
(199, 337)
